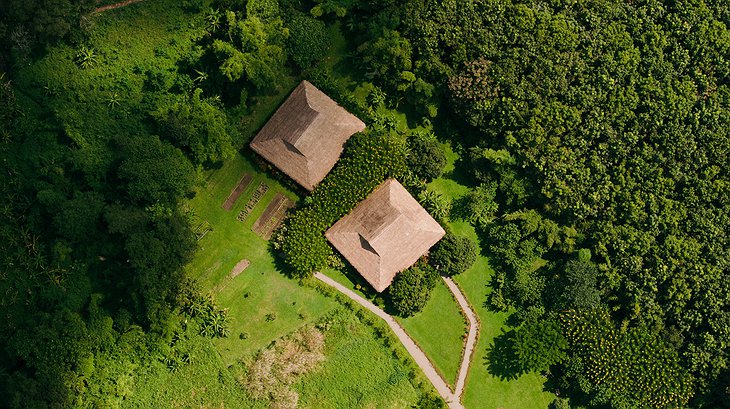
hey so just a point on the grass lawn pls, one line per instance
(439, 330)
(485, 390)
(259, 290)
(359, 372)
(443, 346)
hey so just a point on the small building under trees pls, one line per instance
(385, 234)
(306, 135)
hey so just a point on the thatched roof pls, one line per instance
(385, 234)
(306, 135)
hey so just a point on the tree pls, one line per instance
(47, 21)
(251, 49)
(411, 289)
(308, 40)
(478, 206)
(153, 171)
(581, 289)
(622, 365)
(425, 157)
(453, 254)
(78, 219)
(538, 345)
(197, 126)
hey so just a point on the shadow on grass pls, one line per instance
(500, 359)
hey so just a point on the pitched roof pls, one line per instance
(385, 234)
(305, 136)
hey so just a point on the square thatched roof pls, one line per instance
(306, 135)
(385, 234)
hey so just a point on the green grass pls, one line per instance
(128, 42)
(359, 372)
(485, 390)
(261, 289)
(439, 331)
(205, 383)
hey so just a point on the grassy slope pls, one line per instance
(483, 389)
(206, 383)
(443, 346)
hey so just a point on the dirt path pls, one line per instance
(421, 360)
(471, 339)
(115, 5)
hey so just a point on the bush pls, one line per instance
(308, 41)
(453, 254)
(537, 345)
(560, 403)
(411, 289)
(425, 157)
(368, 161)
(430, 401)
(478, 206)
(198, 126)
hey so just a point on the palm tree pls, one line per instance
(213, 17)
(113, 100)
(86, 57)
(202, 76)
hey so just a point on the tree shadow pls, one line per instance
(500, 359)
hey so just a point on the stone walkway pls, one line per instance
(451, 398)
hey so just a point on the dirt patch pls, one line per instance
(272, 216)
(238, 268)
(235, 272)
(237, 191)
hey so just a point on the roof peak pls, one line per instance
(305, 136)
(385, 233)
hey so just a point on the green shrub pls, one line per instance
(425, 157)
(539, 344)
(367, 162)
(197, 126)
(478, 206)
(430, 401)
(453, 254)
(411, 289)
(308, 41)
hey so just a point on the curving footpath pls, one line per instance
(471, 339)
(451, 398)
(115, 5)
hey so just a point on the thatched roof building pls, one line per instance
(306, 135)
(385, 234)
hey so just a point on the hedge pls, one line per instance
(369, 159)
